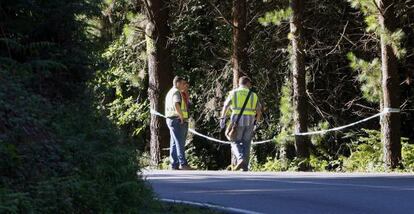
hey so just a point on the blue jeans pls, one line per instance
(178, 133)
(241, 146)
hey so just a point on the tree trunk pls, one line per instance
(239, 58)
(159, 71)
(299, 79)
(390, 122)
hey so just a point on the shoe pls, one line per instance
(174, 168)
(239, 165)
(186, 167)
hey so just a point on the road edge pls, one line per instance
(211, 206)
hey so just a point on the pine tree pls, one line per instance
(299, 78)
(239, 58)
(380, 19)
(159, 70)
(390, 122)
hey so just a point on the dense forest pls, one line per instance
(78, 79)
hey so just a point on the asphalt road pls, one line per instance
(289, 192)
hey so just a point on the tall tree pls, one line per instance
(160, 71)
(299, 78)
(390, 123)
(239, 57)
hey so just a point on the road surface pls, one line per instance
(289, 192)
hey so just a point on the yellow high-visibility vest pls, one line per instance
(170, 104)
(238, 97)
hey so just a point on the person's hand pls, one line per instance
(255, 127)
(222, 123)
(181, 119)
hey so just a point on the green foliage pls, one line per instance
(276, 17)
(395, 39)
(408, 156)
(325, 149)
(200, 48)
(275, 165)
(371, 11)
(318, 164)
(366, 156)
(58, 153)
(285, 135)
(366, 153)
(370, 72)
(369, 77)
(279, 165)
(200, 159)
(165, 163)
(85, 172)
(254, 165)
(319, 138)
(126, 113)
(120, 88)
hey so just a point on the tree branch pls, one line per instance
(221, 14)
(339, 41)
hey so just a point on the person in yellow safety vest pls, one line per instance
(177, 121)
(247, 122)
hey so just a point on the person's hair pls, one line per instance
(177, 79)
(244, 80)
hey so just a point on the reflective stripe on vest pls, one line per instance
(239, 96)
(170, 105)
(184, 108)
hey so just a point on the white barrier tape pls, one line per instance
(263, 141)
(385, 111)
(152, 111)
(207, 137)
(340, 127)
(391, 110)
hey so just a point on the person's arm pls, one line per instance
(226, 105)
(177, 99)
(224, 111)
(180, 113)
(258, 112)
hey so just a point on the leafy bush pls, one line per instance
(408, 156)
(120, 88)
(58, 153)
(273, 164)
(318, 164)
(367, 154)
